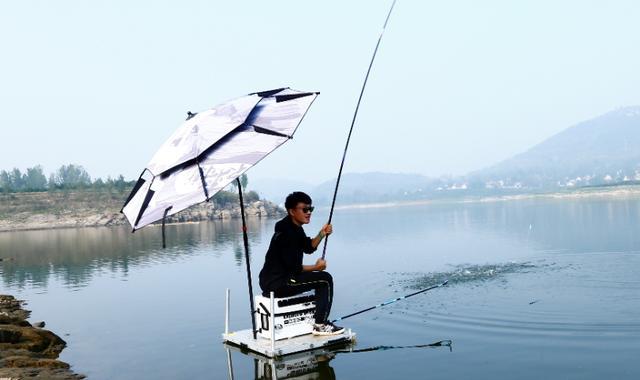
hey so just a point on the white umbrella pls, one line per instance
(211, 149)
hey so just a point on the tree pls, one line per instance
(72, 176)
(223, 198)
(120, 183)
(98, 184)
(5, 182)
(251, 196)
(16, 180)
(52, 184)
(244, 180)
(35, 180)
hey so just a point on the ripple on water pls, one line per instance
(515, 302)
(466, 274)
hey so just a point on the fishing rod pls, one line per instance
(391, 301)
(353, 121)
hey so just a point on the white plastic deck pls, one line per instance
(244, 340)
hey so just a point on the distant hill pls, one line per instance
(602, 150)
(354, 188)
(374, 187)
(598, 152)
(276, 189)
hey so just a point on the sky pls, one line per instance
(456, 85)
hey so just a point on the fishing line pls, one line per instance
(391, 301)
(344, 155)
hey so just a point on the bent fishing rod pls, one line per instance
(391, 301)
(353, 121)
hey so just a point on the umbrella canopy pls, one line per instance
(211, 149)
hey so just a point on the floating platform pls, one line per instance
(283, 327)
(243, 340)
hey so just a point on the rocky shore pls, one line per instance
(27, 351)
(44, 210)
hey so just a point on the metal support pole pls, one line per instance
(273, 324)
(246, 258)
(226, 312)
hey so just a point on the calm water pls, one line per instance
(538, 288)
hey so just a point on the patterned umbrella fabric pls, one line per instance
(211, 149)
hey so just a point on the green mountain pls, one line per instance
(602, 150)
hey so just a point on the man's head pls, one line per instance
(298, 205)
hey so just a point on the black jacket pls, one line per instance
(284, 257)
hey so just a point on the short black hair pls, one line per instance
(296, 197)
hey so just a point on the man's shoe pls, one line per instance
(326, 329)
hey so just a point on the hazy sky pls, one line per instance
(456, 86)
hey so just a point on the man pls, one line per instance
(283, 272)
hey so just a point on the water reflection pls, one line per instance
(73, 256)
(304, 365)
(314, 364)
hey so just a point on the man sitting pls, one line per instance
(283, 272)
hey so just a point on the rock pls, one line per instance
(26, 362)
(9, 336)
(40, 324)
(44, 342)
(27, 351)
(11, 310)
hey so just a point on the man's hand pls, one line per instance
(326, 230)
(321, 265)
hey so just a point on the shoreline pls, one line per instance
(63, 227)
(84, 216)
(45, 211)
(611, 193)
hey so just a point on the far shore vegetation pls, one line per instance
(74, 178)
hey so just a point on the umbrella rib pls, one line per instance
(284, 98)
(216, 145)
(269, 131)
(204, 183)
(265, 94)
(198, 158)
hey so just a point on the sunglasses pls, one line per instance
(307, 209)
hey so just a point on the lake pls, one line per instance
(538, 287)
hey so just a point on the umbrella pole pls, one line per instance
(246, 257)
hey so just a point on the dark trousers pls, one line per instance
(321, 282)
